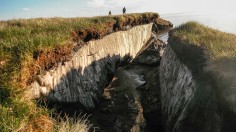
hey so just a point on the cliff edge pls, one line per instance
(45, 57)
(198, 80)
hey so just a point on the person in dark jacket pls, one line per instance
(124, 10)
(109, 12)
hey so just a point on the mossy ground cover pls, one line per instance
(206, 47)
(28, 46)
(211, 56)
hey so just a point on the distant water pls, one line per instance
(222, 23)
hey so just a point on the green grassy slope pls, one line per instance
(211, 56)
(205, 46)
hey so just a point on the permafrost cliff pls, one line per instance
(194, 96)
(187, 105)
(149, 94)
(83, 78)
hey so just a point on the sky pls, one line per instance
(218, 14)
(14, 9)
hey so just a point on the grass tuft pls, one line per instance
(75, 124)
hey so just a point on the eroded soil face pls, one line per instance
(45, 60)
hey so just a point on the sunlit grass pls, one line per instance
(219, 44)
(19, 114)
(75, 124)
(206, 49)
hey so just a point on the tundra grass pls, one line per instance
(206, 49)
(19, 40)
(219, 44)
(73, 124)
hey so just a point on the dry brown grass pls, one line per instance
(39, 124)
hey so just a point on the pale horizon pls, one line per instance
(217, 14)
(12, 9)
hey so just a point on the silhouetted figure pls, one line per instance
(124, 10)
(109, 12)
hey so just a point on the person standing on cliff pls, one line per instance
(109, 13)
(124, 10)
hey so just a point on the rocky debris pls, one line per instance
(150, 96)
(131, 102)
(120, 108)
(151, 53)
(161, 25)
